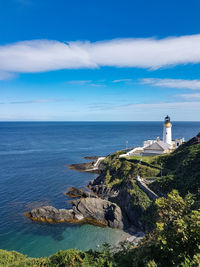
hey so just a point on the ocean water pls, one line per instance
(33, 172)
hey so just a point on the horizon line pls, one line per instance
(94, 121)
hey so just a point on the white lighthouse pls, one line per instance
(167, 131)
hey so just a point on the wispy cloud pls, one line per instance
(189, 96)
(79, 82)
(37, 101)
(166, 106)
(122, 80)
(150, 53)
(173, 83)
(102, 106)
(87, 82)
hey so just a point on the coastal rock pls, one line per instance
(79, 192)
(85, 210)
(91, 157)
(103, 191)
(99, 209)
(82, 167)
(120, 196)
(50, 214)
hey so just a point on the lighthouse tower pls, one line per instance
(167, 131)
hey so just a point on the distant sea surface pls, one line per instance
(33, 172)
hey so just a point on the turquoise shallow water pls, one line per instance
(59, 237)
(33, 159)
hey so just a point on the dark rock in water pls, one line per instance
(81, 166)
(91, 157)
(99, 209)
(79, 192)
(84, 167)
(85, 210)
(50, 214)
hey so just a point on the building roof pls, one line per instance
(158, 145)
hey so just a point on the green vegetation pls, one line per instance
(15, 259)
(147, 159)
(123, 170)
(176, 238)
(140, 199)
(181, 170)
(120, 173)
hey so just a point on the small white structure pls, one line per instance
(167, 131)
(157, 148)
(150, 142)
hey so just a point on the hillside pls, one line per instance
(180, 169)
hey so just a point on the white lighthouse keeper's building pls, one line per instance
(167, 131)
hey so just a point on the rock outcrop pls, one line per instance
(50, 214)
(85, 210)
(81, 167)
(121, 196)
(99, 209)
(79, 192)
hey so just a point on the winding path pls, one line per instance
(141, 183)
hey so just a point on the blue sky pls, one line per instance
(99, 60)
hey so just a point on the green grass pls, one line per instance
(147, 159)
(139, 197)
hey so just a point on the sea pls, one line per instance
(33, 172)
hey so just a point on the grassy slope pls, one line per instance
(181, 170)
(123, 170)
(121, 173)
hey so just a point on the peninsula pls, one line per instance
(124, 193)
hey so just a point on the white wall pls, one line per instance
(157, 152)
(167, 135)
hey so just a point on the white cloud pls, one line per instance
(87, 82)
(166, 106)
(43, 55)
(122, 80)
(150, 53)
(38, 101)
(173, 83)
(189, 96)
(79, 82)
(150, 107)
